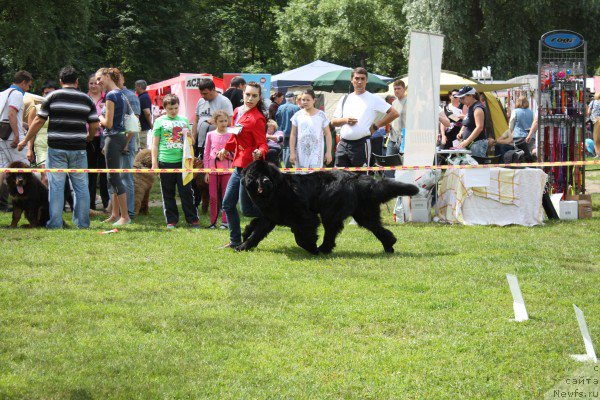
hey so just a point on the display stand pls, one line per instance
(562, 103)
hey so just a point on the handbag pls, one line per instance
(5, 128)
(130, 121)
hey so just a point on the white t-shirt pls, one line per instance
(364, 108)
(14, 101)
(310, 139)
(205, 110)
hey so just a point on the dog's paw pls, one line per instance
(314, 251)
(242, 247)
(388, 249)
(325, 249)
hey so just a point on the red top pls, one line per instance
(251, 137)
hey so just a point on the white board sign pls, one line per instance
(518, 302)
(587, 339)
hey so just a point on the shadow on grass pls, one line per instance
(296, 253)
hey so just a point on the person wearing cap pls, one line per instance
(356, 113)
(473, 132)
(283, 117)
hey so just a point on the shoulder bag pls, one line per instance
(130, 121)
(5, 129)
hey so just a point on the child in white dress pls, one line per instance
(310, 128)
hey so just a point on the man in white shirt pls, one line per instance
(210, 102)
(12, 107)
(356, 113)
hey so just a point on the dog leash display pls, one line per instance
(292, 170)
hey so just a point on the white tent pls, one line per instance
(304, 75)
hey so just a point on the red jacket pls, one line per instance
(253, 136)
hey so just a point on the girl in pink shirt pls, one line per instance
(217, 181)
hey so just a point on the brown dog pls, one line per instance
(200, 187)
(142, 183)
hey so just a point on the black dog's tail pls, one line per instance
(387, 189)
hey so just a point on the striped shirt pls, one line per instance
(69, 111)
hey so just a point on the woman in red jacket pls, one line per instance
(248, 145)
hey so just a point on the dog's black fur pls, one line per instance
(297, 201)
(29, 195)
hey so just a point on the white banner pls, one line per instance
(424, 67)
(192, 82)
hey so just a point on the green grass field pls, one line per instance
(149, 313)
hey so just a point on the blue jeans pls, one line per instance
(479, 148)
(58, 158)
(391, 149)
(285, 155)
(236, 191)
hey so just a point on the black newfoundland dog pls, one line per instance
(297, 201)
(29, 195)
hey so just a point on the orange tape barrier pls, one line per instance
(291, 170)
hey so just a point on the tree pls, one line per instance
(349, 32)
(42, 39)
(500, 33)
(245, 31)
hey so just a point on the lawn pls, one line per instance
(149, 313)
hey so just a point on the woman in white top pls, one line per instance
(309, 127)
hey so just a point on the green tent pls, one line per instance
(339, 81)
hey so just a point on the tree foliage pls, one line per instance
(349, 32)
(503, 34)
(156, 40)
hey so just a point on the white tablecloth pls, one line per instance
(514, 196)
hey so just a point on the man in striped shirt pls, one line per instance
(73, 122)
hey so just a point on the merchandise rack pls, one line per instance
(562, 103)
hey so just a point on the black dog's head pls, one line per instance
(18, 181)
(261, 179)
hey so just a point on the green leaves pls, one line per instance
(348, 32)
(157, 40)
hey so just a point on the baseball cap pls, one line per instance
(289, 95)
(465, 90)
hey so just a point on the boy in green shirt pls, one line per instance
(167, 153)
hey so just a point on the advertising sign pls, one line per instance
(263, 79)
(562, 40)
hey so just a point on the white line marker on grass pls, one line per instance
(587, 339)
(518, 302)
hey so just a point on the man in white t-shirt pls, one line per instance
(356, 114)
(12, 107)
(210, 102)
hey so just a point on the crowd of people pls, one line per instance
(72, 129)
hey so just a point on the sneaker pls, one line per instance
(213, 226)
(224, 226)
(171, 226)
(195, 225)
